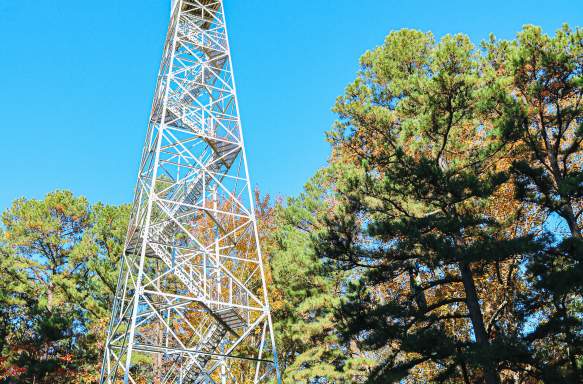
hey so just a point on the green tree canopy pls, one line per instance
(310, 347)
(430, 147)
(61, 254)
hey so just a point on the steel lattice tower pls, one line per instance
(191, 304)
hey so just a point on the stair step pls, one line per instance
(231, 318)
(134, 247)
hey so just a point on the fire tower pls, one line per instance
(191, 305)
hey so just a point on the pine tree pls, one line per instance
(310, 349)
(42, 234)
(419, 158)
(60, 258)
(543, 111)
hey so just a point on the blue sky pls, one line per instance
(76, 80)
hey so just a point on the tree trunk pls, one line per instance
(50, 289)
(416, 291)
(475, 312)
(463, 366)
(571, 220)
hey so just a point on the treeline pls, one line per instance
(442, 243)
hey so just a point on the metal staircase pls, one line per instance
(192, 297)
(188, 194)
(229, 321)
